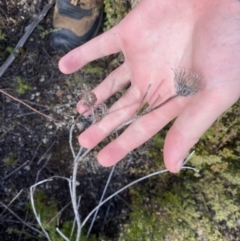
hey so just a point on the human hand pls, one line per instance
(155, 37)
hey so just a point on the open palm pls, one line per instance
(156, 37)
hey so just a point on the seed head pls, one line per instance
(100, 112)
(88, 98)
(187, 83)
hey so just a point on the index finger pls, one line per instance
(100, 46)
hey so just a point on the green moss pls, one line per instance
(9, 160)
(47, 211)
(44, 32)
(2, 35)
(192, 206)
(21, 85)
(93, 68)
(115, 11)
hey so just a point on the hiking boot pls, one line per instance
(78, 22)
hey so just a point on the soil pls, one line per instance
(33, 147)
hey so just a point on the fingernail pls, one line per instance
(179, 165)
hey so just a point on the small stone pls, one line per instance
(27, 168)
(69, 97)
(80, 126)
(42, 79)
(45, 140)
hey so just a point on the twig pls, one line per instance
(22, 41)
(35, 153)
(12, 201)
(30, 107)
(17, 169)
(22, 231)
(15, 197)
(49, 148)
(39, 171)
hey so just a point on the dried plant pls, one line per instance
(186, 83)
(89, 99)
(100, 112)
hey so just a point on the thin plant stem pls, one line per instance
(62, 235)
(32, 190)
(65, 105)
(70, 140)
(17, 169)
(20, 192)
(137, 111)
(74, 222)
(126, 123)
(49, 148)
(160, 105)
(189, 157)
(35, 153)
(74, 194)
(12, 201)
(154, 102)
(129, 185)
(29, 113)
(147, 111)
(103, 194)
(105, 217)
(143, 98)
(39, 171)
(22, 230)
(73, 191)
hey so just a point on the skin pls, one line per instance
(202, 36)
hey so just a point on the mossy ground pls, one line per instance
(193, 206)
